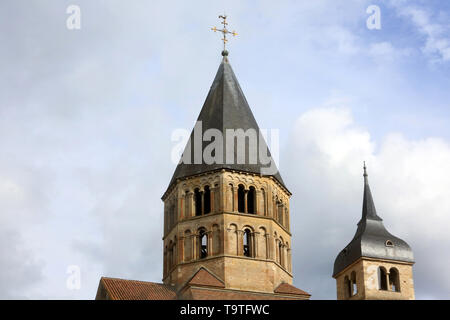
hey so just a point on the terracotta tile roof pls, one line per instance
(120, 289)
(205, 278)
(290, 289)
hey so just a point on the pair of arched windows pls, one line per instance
(202, 201)
(388, 281)
(246, 200)
(248, 244)
(204, 243)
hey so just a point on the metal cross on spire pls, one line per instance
(225, 32)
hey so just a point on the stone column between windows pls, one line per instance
(212, 195)
(388, 284)
(202, 194)
(245, 201)
(240, 242)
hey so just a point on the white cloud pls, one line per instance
(409, 181)
(437, 42)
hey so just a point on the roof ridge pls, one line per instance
(111, 278)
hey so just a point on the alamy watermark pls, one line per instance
(238, 146)
(73, 22)
(73, 281)
(374, 20)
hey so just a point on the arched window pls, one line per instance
(241, 198)
(394, 280)
(187, 212)
(251, 200)
(230, 198)
(217, 193)
(354, 288)
(198, 202)
(382, 278)
(247, 243)
(203, 242)
(207, 200)
(280, 252)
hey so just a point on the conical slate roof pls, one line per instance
(371, 239)
(225, 108)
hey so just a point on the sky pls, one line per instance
(86, 117)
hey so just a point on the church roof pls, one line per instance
(225, 108)
(121, 289)
(371, 239)
(203, 285)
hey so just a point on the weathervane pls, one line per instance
(225, 32)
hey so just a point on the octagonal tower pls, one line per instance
(230, 218)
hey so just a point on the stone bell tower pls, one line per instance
(375, 264)
(228, 216)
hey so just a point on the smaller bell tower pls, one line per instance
(375, 265)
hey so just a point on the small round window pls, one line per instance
(389, 243)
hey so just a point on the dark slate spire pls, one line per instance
(371, 239)
(225, 108)
(369, 211)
